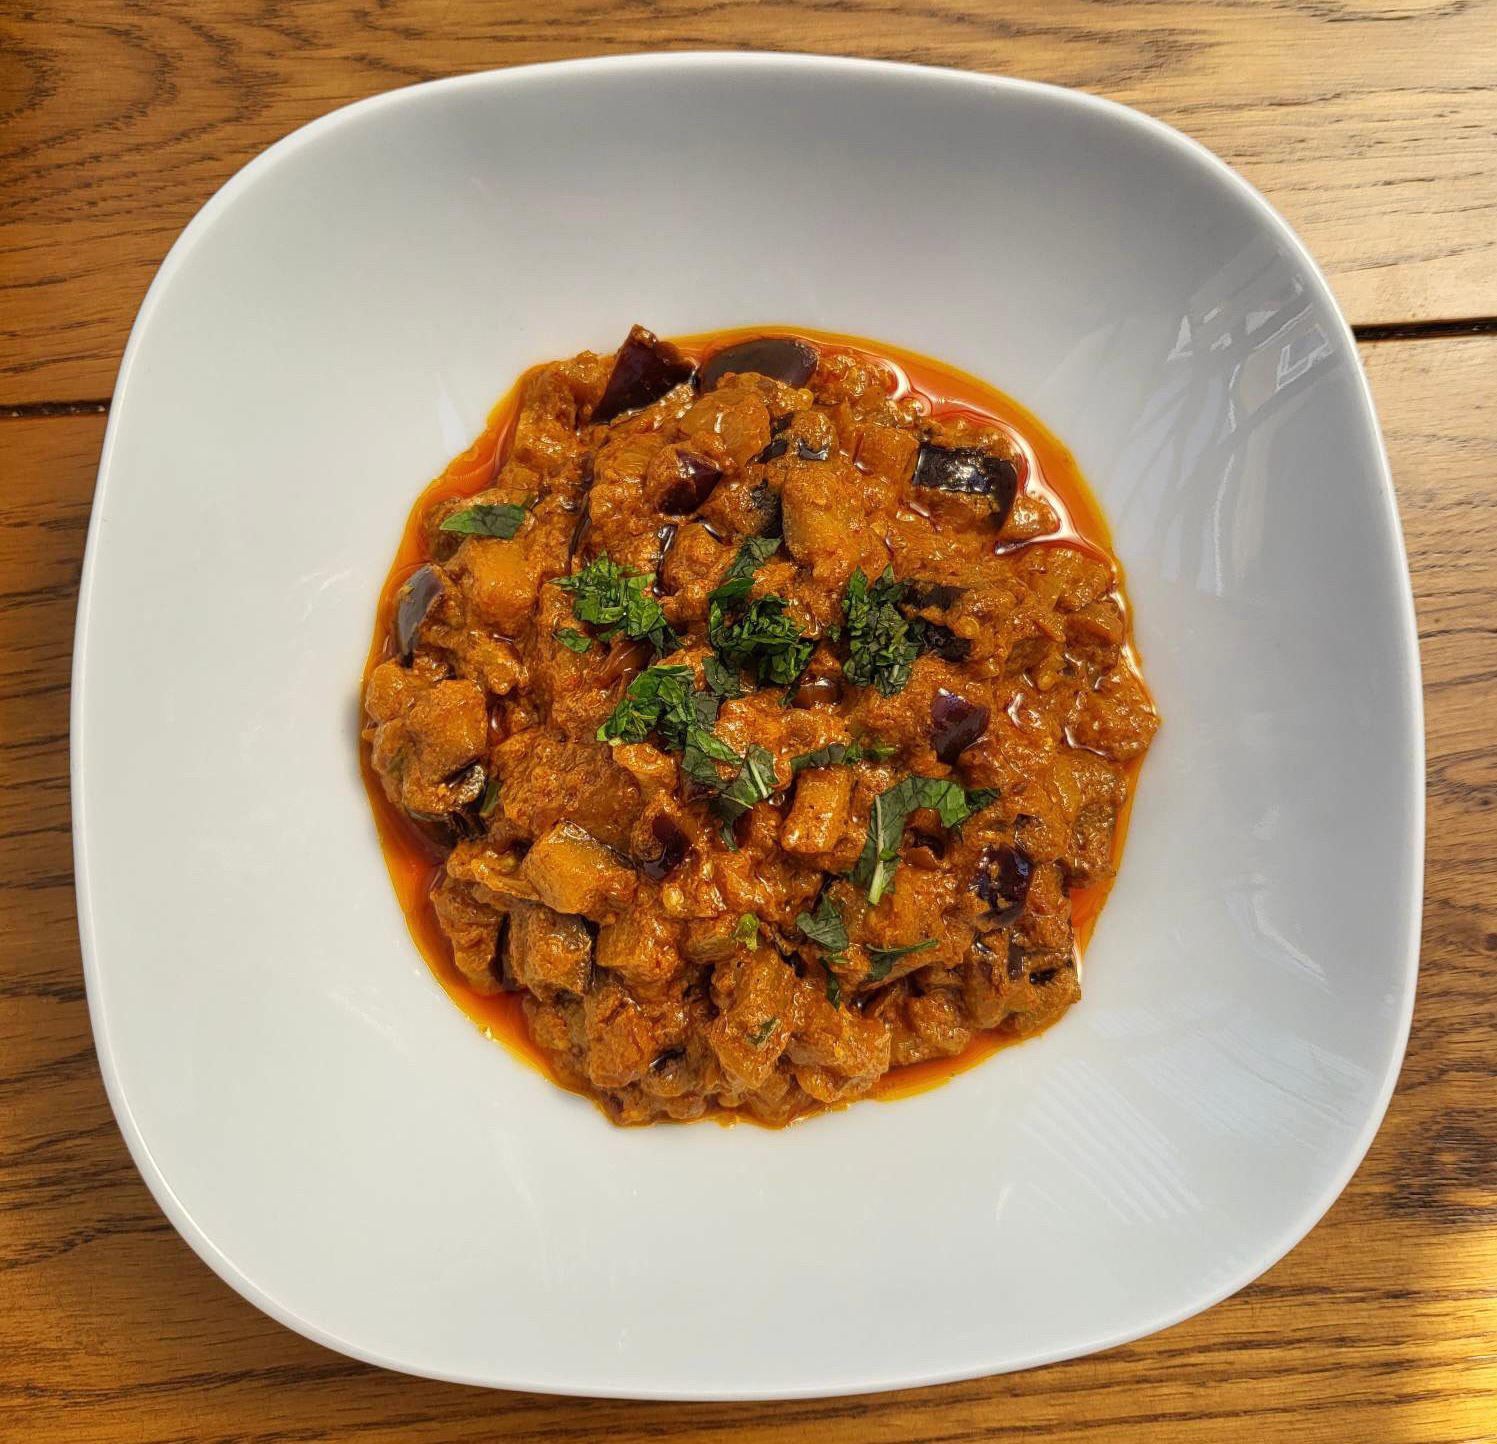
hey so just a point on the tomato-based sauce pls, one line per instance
(943, 396)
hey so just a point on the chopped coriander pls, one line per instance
(881, 644)
(747, 931)
(572, 639)
(765, 639)
(824, 926)
(485, 518)
(617, 601)
(739, 577)
(760, 1035)
(891, 809)
(490, 798)
(880, 960)
(836, 753)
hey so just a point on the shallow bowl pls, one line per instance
(334, 1137)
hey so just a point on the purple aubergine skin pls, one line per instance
(956, 724)
(644, 370)
(696, 478)
(1002, 881)
(782, 358)
(970, 470)
(417, 597)
(674, 845)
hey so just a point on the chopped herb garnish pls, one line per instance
(703, 751)
(880, 960)
(760, 1036)
(659, 698)
(836, 753)
(765, 639)
(891, 810)
(754, 783)
(490, 798)
(881, 644)
(747, 931)
(485, 518)
(617, 601)
(833, 987)
(824, 925)
(572, 639)
(721, 678)
(738, 580)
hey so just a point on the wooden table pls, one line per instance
(1372, 124)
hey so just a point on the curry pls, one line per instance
(751, 723)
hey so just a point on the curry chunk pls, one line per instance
(818, 816)
(572, 872)
(548, 952)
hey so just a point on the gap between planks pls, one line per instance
(1376, 331)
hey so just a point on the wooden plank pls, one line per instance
(1382, 1325)
(1370, 123)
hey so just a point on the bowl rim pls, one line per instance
(795, 63)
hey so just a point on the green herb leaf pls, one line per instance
(658, 698)
(824, 926)
(881, 645)
(833, 987)
(738, 580)
(702, 753)
(661, 700)
(485, 518)
(760, 1036)
(754, 783)
(892, 808)
(721, 678)
(490, 798)
(765, 639)
(836, 753)
(747, 931)
(617, 601)
(572, 639)
(880, 960)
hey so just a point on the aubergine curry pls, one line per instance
(752, 720)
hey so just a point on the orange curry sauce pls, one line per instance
(415, 862)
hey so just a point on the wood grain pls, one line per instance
(1370, 123)
(1381, 1326)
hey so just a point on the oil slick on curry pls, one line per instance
(751, 724)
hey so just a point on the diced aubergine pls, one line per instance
(467, 789)
(673, 844)
(941, 641)
(572, 872)
(956, 724)
(971, 470)
(644, 370)
(782, 358)
(415, 599)
(1002, 882)
(695, 478)
(932, 594)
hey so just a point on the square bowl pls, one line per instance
(317, 1119)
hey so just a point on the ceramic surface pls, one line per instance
(319, 1121)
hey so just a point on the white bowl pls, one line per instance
(320, 1122)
